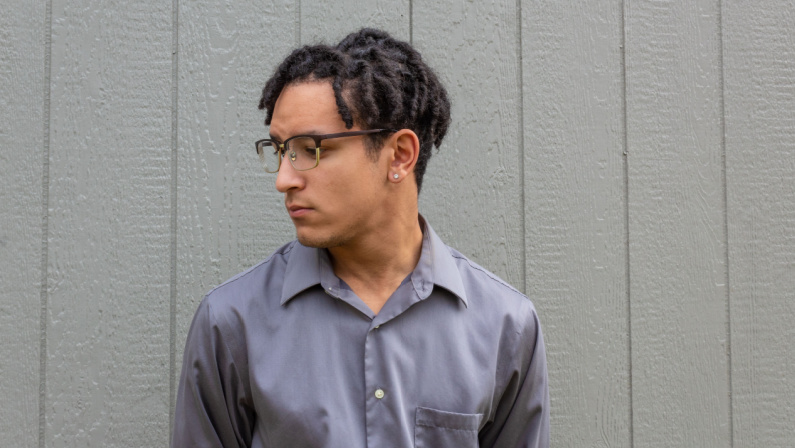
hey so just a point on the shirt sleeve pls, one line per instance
(213, 408)
(522, 416)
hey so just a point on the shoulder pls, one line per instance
(256, 286)
(275, 262)
(481, 280)
(500, 313)
(490, 295)
(490, 280)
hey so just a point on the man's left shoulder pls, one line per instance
(483, 287)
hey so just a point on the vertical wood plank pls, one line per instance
(677, 240)
(575, 212)
(109, 224)
(472, 192)
(759, 89)
(329, 22)
(229, 215)
(22, 78)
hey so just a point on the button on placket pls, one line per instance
(374, 385)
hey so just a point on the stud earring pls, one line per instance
(396, 175)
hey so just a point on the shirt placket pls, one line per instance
(384, 403)
(384, 423)
(378, 394)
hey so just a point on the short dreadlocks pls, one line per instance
(378, 82)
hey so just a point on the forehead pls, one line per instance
(306, 107)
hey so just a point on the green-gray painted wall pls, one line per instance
(629, 165)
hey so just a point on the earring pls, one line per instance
(396, 175)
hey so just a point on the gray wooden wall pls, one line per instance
(629, 165)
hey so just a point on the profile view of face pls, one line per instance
(340, 199)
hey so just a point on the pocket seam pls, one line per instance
(446, 427)
(464, 423)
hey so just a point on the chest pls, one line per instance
(350, 380)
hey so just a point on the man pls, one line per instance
(367, 331)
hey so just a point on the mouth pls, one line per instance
(297, 211)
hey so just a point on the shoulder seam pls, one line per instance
(483, 270)
(284, 250)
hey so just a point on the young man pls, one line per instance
(367, 331)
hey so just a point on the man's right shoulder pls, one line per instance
(261, 282)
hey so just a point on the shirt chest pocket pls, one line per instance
(440, 429)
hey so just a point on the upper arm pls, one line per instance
(522, 415)
(212, 407)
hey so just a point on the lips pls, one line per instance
(297, 211)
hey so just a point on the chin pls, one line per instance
(320, 241)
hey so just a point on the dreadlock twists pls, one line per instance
(378, 82)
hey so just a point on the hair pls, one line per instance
(378, 82)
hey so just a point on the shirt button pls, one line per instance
(376, 327)
(379, 393)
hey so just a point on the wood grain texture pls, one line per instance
(328, 22)
(229, 214)
(575, 212)
(471, 193)
(759, 91)
(109, 224)
(677, 240)
(22, 72)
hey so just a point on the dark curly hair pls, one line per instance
(378, 82)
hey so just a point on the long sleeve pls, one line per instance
(522, 417)
(213, 408)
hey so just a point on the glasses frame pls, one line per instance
(284, 147)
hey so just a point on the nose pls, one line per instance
(288, 178)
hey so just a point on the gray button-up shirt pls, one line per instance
(286, 355)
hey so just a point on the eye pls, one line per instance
(303, 145)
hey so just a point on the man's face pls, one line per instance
(342, 199)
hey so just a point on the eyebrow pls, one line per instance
(309, 132)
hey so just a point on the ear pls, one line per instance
(405, 150)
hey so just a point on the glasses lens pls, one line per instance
(302, 153)
(269, 155)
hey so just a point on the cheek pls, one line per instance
(353, 188)
(363, 178)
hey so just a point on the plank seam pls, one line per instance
(173, 249)
(726, 224)
(520, 113)
(298, 20)
(411, 22)
(626, 216)
(45, 207)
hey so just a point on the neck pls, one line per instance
(375, 265)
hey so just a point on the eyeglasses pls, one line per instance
(302, 150)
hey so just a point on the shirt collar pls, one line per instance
(308, 267)
(303, 270)
(436, 267)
